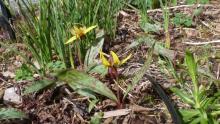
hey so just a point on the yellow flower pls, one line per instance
(115, 60)
(78, 32)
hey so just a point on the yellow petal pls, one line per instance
(72, 32)
(90, 28)
(71, 39)
(104, 60)
(126, 59)
(116, 60)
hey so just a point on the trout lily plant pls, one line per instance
(112, 63)
(78, 33)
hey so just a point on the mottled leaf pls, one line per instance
(80, 80)
(37, 86)
(11, 113)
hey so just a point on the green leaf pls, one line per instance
(204, 117)
(189, 114)
(96, 119)
(195, 120)
(23, 73)
(181, 19)
(184, 96)
(204, 1)
(55, 66)
(80, 80)
(37, 86)
(11, 113)
(190, 2)
(92, 104)
(192, 67)
(215, 113)
(197, 11)
(92, 53)
(84, 92)
(100, 69)
(207, 102)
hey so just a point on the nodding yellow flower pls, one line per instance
(79, 32)
(113, 61)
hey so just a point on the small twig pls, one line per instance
(202, 43)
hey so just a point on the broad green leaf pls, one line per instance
(37, 86)
(80, 80)
(100, 69)
(55, 66)
(11, 113)
(184, 96)
(84, 92)
(92, 53)
(189, 114)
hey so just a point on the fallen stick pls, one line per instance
(202, 43)
(118, 112)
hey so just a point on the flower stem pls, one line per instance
(71, 57)
(79, 53)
